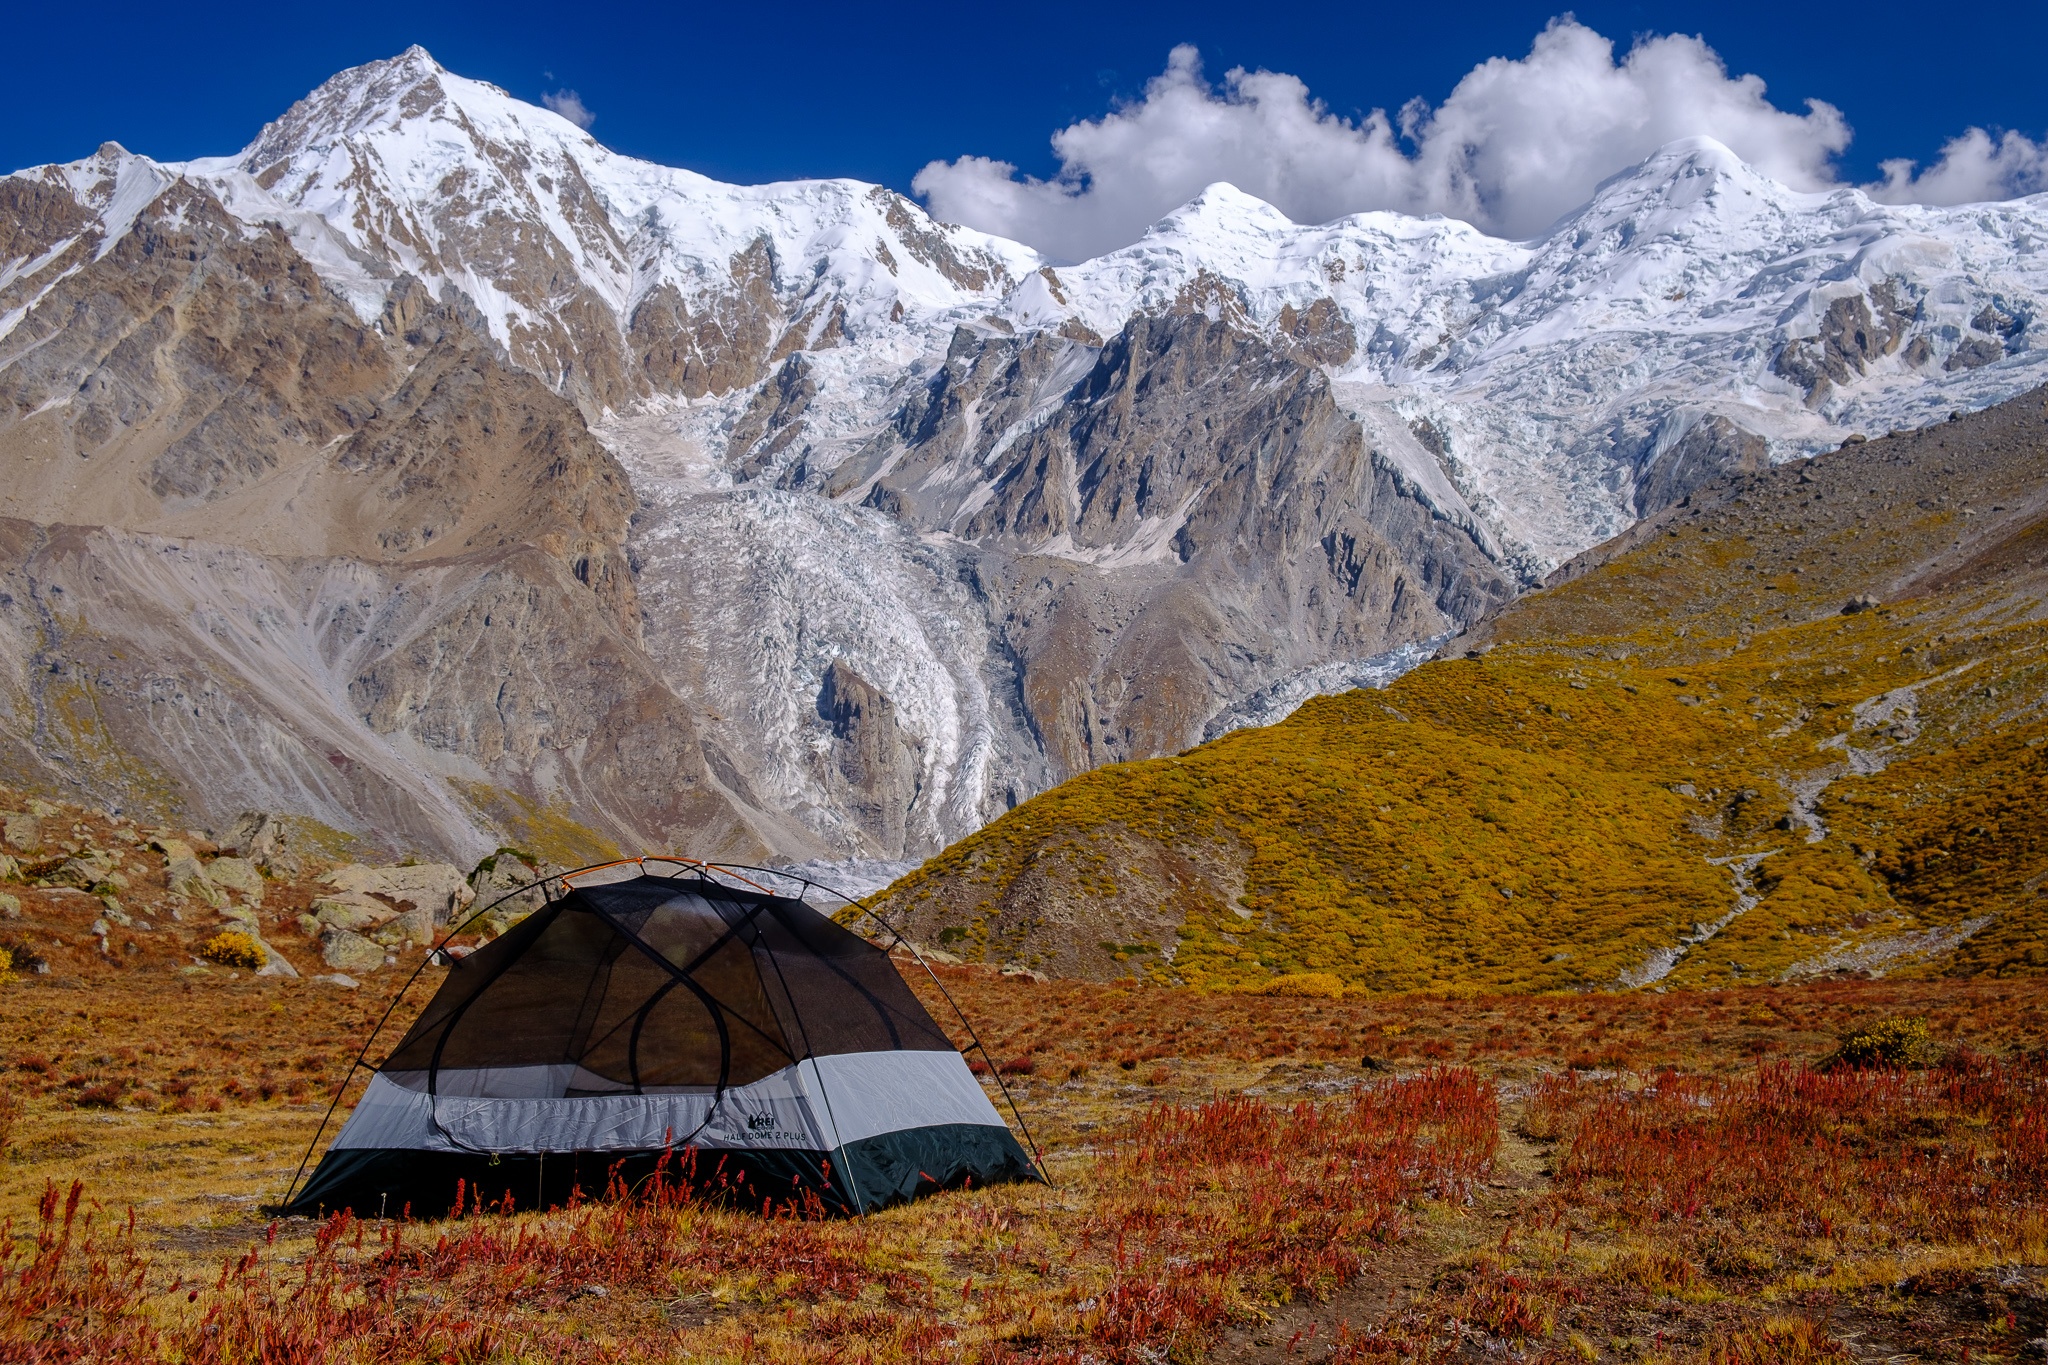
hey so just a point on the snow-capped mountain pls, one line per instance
(887, 523)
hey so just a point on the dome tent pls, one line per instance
(693, 1012)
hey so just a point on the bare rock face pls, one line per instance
(370, 574)
(720, 344)
(1690, 451)
(424, 707)
(219, 389)
(1855, 331)
(877, 761)
(1192, 517)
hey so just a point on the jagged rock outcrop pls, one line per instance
(1690, 450)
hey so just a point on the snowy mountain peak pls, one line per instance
(352, 102)
(1225, 206)
(627, 284)
(1693, 180)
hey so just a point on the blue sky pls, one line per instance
(760, 92)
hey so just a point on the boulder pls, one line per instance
(10, 870)
(24, 832)
(350, 910)
(236, 874)
(86, 870)
(274, 962)
(346, 951)
(414, 926)
(263, 838)
(436, 887)
(10, 907)
(498, 879)
(186, 876)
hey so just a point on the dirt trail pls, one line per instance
(1405, 1272)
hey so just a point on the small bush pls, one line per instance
(105, 1095)
(1781, 1341)
(1306, 986)
(19, 957)
(231, 949)
(1889, 1043)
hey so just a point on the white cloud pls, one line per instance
(1518, 144)
(1972, 169)
(570, 106)
(1521, 143)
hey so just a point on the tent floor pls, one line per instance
(886, 1169)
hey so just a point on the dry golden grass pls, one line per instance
(1193, 1214)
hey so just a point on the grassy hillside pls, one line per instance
(1795, 727)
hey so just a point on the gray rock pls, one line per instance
(186, 876)
(352, 911)
(24, 832)
(496, 883)
(85, 871)
(274, 962)
(341, 979)
(414, 927)
(349, 952)
(264, 838)
(10, 907)
(436, 887)
(236, 874)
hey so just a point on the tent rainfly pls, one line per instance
(629, 1023)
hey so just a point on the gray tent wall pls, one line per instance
(739, 1038)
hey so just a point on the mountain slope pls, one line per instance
(1796, 725)
(893, 524)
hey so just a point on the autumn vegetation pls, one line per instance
(1797, 727)
(1700, 1175)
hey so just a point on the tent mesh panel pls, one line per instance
(658, 985)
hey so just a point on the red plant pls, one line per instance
(78, 1294)
(1283, 1201)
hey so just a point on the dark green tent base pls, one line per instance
(886, 1169)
